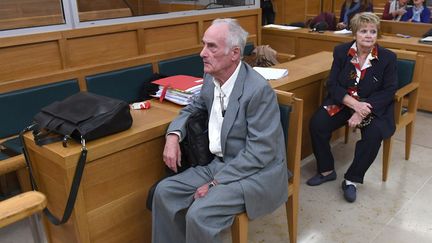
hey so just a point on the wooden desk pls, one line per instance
(301, 42)
(306, 77)
(120, 169)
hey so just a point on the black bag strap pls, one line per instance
(75, 182)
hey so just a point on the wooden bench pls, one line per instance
(18, 108)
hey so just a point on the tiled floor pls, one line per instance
(396, 211)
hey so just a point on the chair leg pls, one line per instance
(239, 229)
(347, 129)
(409, 129)
(292, 216)
(387, 147)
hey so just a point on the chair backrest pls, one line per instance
(406, 67)
(291, 113)
(18, 107)
(187, 65)
(248, 49)
(124, 84)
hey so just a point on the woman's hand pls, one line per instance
(341, 26)
(400, 11)
(355, 119)
(362, 108)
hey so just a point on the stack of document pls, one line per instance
(271, 73)
(178, 89)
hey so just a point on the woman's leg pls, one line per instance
(365, 152)
(321, 127)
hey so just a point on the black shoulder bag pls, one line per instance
(83, 117)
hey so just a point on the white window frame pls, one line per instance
(42, 29)
(71, 16)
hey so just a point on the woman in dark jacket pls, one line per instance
(350, 8)
(361, 87)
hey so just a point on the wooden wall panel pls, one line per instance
(307, 47)
(406, 28)
(337, 7)
(123, 183)
(311, 99)
(169, 38)
(114, 179)
(249, 23)
(278, 7)
(280, 43)
(289, 11)
(101, 48)
(313, 8)
(131, 221)
(51, 178)
(295, 11)
(29, 60)
(328, 6)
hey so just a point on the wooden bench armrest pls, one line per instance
(12, 164)
(400, 93)
(21, 206)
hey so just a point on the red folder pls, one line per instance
(179, 82)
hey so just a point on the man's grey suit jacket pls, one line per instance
(252, 140)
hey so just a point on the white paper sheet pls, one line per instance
(343, 32)
(271, 73)
(283, 27)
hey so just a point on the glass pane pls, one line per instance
(16, 14)
(109, 9)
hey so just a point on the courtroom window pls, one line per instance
(90, 10)
(19, 17)
(17, 14)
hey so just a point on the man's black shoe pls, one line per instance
(350, 192)
(319, 179)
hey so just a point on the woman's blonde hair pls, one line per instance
(363, 18)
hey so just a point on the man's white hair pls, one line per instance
(236, 37)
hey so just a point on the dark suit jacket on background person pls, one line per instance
(424, 15)
(376, 88)
(252, 140)
(267, 12)
(368, 8)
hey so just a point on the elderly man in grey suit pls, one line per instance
(249, 171)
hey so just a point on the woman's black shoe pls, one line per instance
(350, 192)
(319, 179)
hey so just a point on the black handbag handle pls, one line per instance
(75, 182)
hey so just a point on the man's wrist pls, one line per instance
(175, 133)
